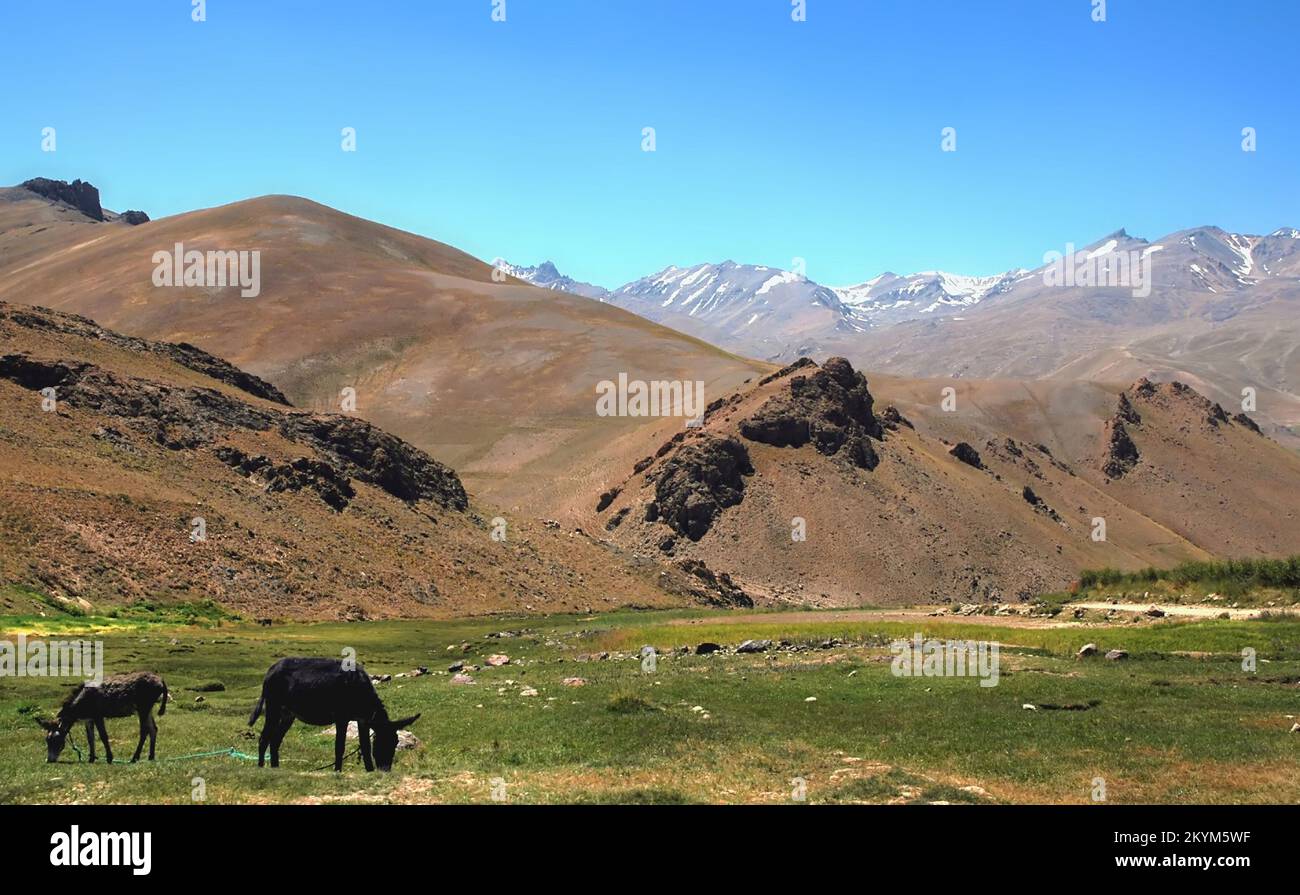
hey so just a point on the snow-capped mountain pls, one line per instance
(547, 276)
(1204, 273)
(890, 298)
(761, 310)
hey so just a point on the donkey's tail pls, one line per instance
(257, 709)
(162, 709)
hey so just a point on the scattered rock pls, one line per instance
(1116, 654)
(456, 666)
(1087, 649)
(462, 679)
(967, 454)
(405, 739)
(754, 646)
(496, 660)
(606, 499)
(718, 588)
(1155, 612)
(703, 649)
(574, 682)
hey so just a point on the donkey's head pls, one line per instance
(56, 735)
(384, 739)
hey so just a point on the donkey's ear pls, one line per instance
(47, 724)
(405, 722)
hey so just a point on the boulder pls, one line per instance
(1088, 649)
(754, 646)
(405, 739)
(1116, 654)
(967, 454)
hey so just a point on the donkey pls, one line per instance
(113, 697)
(320, 692)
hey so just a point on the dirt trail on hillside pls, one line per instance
(870, 615)
(1187, 611)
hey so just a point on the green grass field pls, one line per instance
(1179, 721)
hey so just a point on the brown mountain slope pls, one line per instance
(497, 379)
(892, 516)
(304, 514)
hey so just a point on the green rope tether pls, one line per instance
(232, 752)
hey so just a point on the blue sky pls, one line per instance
(775, 139)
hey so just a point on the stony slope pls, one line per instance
(305, 514)
(495, 378)
(909, 503)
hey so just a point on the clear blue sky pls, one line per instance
(776, 139)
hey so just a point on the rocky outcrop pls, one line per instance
(191, 417)
(699, 481)
(134, 218)
(374, 456)
(831, 409)
(303, 473)
(177, 418)
(967, 454)
(717, 589)
(893, 420)
(46, 320)
(800, 364)
(79, 194)
(1127, 412)
(1242, 420)
(1121, 453)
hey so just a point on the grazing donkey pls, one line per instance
(113, 697)
(320, 692)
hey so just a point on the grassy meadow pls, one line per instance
(1177, 721)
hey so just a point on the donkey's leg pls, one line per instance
(286, 721)
(144, 732)
(153, 735)
(340, 742)
(103, 735)
(90, 738)
(270, 721)
(363, 732)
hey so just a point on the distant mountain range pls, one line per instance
(751, 301)
(1212, 307)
